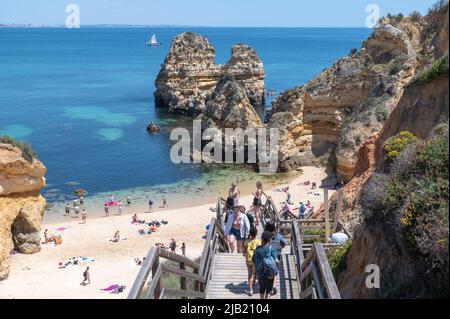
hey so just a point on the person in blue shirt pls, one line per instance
(277, 242)
(302, 210)
(266, 284)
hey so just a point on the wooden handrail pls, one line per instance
(143, 274)
(313, 271)
(201, 272)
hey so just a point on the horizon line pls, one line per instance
(37, 26)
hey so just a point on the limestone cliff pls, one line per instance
(399, 212)
(21, 205)
(189, 75)
(329, 118)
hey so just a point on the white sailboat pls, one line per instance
(153, 42)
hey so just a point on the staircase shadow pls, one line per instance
(240, 288)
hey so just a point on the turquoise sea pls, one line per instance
(83, 98)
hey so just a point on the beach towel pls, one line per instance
(77, 261)
(110, 288)
(61, 228)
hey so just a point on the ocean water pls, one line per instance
(83, 98)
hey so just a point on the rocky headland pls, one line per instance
(396, 200)
(21, 205)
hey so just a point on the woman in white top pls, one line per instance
(234, 193)
(237, 229)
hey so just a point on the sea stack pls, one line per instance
(230, 107)
(189, 75)
(21, 205)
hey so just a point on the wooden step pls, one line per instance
(229, 278)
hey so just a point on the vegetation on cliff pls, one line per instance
(396, 144)
(436, 70)
(409, 199)
(337, 258)
(25, 148)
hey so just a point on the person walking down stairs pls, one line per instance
(250, 246)
(264, 259)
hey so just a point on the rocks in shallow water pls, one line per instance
(153, 128)
(189, 75)
(22, 207)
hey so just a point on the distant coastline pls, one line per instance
(112, 26)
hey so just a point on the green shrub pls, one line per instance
(396, 144)
(314, 232)
(395, 18)
(337, 256)
(411, 202)
(437, 69)
(438, 6)
(171, 281)
(415, 16)
(27, 152)
(382, 113)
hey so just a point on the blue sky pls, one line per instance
(281, 13)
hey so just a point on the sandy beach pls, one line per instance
(38, 276)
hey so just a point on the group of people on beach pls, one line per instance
(262, 255)
(78, 206)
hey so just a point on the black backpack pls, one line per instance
(230, 202)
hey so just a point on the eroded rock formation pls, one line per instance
(230, 107)
(21, 205)
(189, 75)
(328, 119)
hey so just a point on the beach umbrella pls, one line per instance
(80, 192)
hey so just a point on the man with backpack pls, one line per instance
(277, 242)
(264, 259)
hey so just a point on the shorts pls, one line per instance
(236, 233)
(265, 285)
(257, 202)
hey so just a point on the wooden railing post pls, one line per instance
(337, 213)
(183, 279)
(197, 284)
(327, 215)
(154, 272)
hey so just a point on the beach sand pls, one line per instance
(37, 276)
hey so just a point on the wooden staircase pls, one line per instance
(229, 279)
(222, 275)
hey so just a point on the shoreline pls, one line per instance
(38, 276)
(176, 200)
